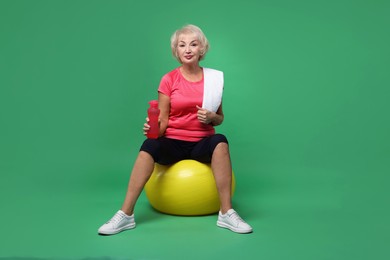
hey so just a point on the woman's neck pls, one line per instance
(192, 73)
(191, 69)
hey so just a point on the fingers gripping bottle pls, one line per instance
(153, 114)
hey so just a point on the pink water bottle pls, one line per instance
(153, 114)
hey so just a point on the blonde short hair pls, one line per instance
(190, 28)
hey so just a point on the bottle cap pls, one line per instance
(153, 103)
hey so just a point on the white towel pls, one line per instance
(213, 88)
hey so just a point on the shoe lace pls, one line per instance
(116, 218)
(236, 218)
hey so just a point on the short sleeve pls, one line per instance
(165, 86)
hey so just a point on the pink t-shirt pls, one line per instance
(183, 123)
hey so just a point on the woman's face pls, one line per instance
(188, 48)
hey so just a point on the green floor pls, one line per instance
(296, 213)
(306, 105)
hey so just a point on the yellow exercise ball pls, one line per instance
(184, 188)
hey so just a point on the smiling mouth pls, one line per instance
(188, 57)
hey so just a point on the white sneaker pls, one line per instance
(119, 222)
(233, 221)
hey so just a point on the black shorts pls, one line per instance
(168, 151)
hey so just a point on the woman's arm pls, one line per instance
(164, 104)
(218, 118)
(207, 117)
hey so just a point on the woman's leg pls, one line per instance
(142, 170)
(222, 170)
(216, 147)
(124, 218)
(215, 150)
(161, 150)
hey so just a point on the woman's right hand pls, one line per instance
(146, 126)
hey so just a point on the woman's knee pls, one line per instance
(145, 155)
(219, 142)
(150, 147)
(222, 148)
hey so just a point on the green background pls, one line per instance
(306, 106)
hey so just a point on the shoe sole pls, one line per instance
(116, 231)
(240, 231)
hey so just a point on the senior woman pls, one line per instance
(190, 103)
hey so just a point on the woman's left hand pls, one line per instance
(205, 116)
